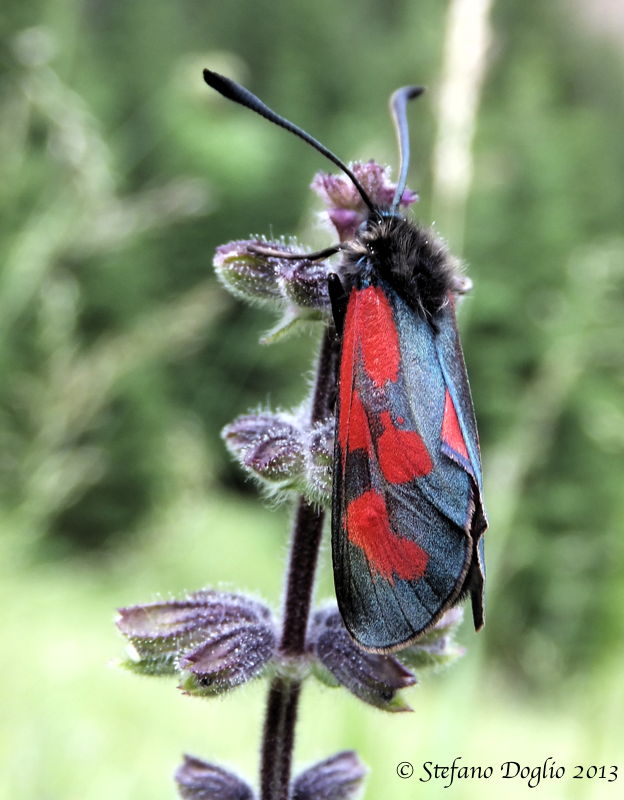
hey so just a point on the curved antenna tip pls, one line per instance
(405, 93)
(398, 104)
(211, 77)
(221, 84)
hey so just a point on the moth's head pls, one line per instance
(379, 217)
(380, 224)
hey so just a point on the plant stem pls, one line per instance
(278, 739)
(281, 712)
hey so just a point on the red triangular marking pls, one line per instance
(451, 432)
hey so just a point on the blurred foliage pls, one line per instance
(119, 174)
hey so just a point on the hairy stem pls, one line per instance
(278, 739)
(281, 712)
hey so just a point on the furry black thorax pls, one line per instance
(412, 259)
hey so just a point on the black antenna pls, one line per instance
(234, 91)
(398, 109)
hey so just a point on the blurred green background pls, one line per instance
(122, 359)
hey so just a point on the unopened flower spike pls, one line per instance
(228, 658)
(304, 283)
(216, 640)
(284, 451)
(269, 446)
(245, 274)
(263, 271)
(377, 679)
(339, 777)
(200, 780)
(345, 207)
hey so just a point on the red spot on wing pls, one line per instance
(368, 527)
(378, 336)
(402, 455)
(358, 437)
(451, 432)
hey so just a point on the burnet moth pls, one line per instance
(407, 509)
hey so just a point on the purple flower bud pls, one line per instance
(231, 656)
(305, 283)
(372, 677)
(256, 276)
(245, 274)
(163, 633)
(337, 778)
(345, 221)
(199, 780)
(437, 647)
(346, 209)
(269, 445)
